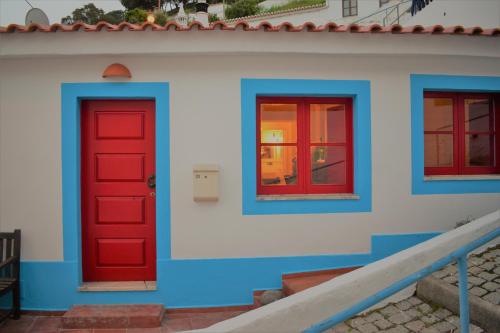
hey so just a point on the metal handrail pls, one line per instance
(459, 255)
(385, 10)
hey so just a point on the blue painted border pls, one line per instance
(188, 283)
(72, 94)
(359, 91)
(420, 83)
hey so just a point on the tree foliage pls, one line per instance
(114, 17)
(89, 14)
(242, 8)
(143, 4)
(136, 16)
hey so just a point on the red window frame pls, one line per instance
(303, 184)
(459, 135)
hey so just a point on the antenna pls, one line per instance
(29, 3)
(36, 15)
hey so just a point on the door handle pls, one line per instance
(152, 181)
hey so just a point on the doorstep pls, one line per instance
(118, 286)
(114, 316)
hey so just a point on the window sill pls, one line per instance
(462, 177)
(340, 196)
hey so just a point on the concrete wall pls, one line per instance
(205, 128)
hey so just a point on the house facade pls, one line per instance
(233, 155)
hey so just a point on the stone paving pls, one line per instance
(483, 275)
(414, 315)
(406, 316)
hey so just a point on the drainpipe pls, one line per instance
(202, 12)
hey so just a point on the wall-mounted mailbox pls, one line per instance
(206, 182)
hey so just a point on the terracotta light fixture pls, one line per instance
(116, 70)
(150, 18)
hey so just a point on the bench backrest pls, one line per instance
(10, 247)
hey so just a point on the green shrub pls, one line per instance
(136, 16)
(242, 8)
(161, 17)
(213, 18)
(291, 4)
(114, 17)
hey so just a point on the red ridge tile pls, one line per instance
(263, 26)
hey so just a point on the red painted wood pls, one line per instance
(304, 184)
(459, 135)
(118, 207)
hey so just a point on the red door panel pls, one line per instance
(118, 206)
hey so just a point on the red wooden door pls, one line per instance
(118, 195)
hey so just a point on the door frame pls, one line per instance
(72, 94)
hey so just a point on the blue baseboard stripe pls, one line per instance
(194, 282)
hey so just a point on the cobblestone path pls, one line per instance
(414, 315)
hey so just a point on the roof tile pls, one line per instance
(263, 26)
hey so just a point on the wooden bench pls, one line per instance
(10, 255)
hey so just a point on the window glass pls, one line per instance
(304, 145)
(477, 115)
(278, 123)
(328, 165)
(278, 165)
(438, 149)
(479, 150)
(350, 7)
(327, 123)
(461, 133)
(438, 114)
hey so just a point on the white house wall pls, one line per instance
(205, 109)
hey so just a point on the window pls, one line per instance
(461, 133)
(304, 145)
(350, 7)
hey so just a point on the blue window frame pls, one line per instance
(421, 83)
(359, 91)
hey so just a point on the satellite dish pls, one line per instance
(36, 15)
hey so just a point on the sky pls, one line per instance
(14, 11)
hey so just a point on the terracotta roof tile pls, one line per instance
(263, 26)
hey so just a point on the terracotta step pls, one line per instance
(294, 283)
(114, 316)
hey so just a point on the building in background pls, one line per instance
(484, 13)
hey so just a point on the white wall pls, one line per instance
(205, 128)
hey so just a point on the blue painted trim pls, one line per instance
(194, 282)
(72, 94)
(463, 298)
(400, 285)
(419, 84)
(359, 91)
